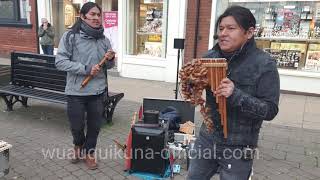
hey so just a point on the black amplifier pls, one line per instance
(149, 152)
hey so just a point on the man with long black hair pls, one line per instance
(79, 53)
(252, 89)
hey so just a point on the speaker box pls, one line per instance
(148, 150)
(178, 43)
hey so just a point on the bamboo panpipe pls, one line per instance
(216, 72)
(110, 55)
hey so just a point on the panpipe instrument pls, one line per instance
(197, 76)
(110, 55)
(217, 70)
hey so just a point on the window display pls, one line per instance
(289, 30)
(149, 28)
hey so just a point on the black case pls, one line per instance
(146, 140)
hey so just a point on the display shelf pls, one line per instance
(288, 39)
(148, 33)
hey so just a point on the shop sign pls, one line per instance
(110, 19)
(154, 38)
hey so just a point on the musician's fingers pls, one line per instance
(224, 91)
(96, 67)
(226, 80)
(221, 86)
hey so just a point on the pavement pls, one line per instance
(289, 146)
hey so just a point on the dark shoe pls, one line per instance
(91, 162)
(76, 154)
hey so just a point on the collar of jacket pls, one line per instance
(249, 45)
(85, 35)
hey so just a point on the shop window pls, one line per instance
(146, 27)
(288, 30)
(13, 11)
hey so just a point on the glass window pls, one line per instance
(7, 9)
(288, 30)
(146, 27)
(13, 11)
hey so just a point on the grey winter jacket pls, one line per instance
(46, 36)
(77, 58)
(254, 99)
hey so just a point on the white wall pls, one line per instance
(299, 81)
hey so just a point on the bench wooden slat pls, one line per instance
(35, 93)
(21, 69)
(28, 77)
(35, 62)
(24, 82)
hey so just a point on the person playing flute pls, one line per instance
(79, 53)
(252, 89)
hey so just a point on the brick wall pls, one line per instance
(203, 31)
(19, 38)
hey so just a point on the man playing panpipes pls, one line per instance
(252, 89)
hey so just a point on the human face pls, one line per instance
(93, 18)
(44, 21)
(231, 36)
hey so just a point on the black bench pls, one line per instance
(35, 76)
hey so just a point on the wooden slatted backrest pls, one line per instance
(38, 71)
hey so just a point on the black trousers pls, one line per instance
(208, 159)
(77, 108)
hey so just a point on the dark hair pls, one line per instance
(84, 10)
(242, 16)
(76, 26)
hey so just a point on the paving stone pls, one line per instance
(271, 154)
(62, 173)
(109, 172)
(71, 167)
(71, 177)
(290, 148)
(276, 139)
(302, 159)
(79, 172)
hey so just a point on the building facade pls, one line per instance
(18, 26)
(287, 29)
(141, 32)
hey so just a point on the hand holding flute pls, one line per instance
(96, 68)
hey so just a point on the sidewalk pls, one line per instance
(289, 145)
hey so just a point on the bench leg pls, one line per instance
(9, 101)
(110, 105)
(24, 101)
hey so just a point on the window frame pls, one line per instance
(16, 20)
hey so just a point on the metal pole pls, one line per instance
(176, 91)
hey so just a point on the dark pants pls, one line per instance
(207, 159)
(47, 49)
(77, 107)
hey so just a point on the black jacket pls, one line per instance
(254, 99)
